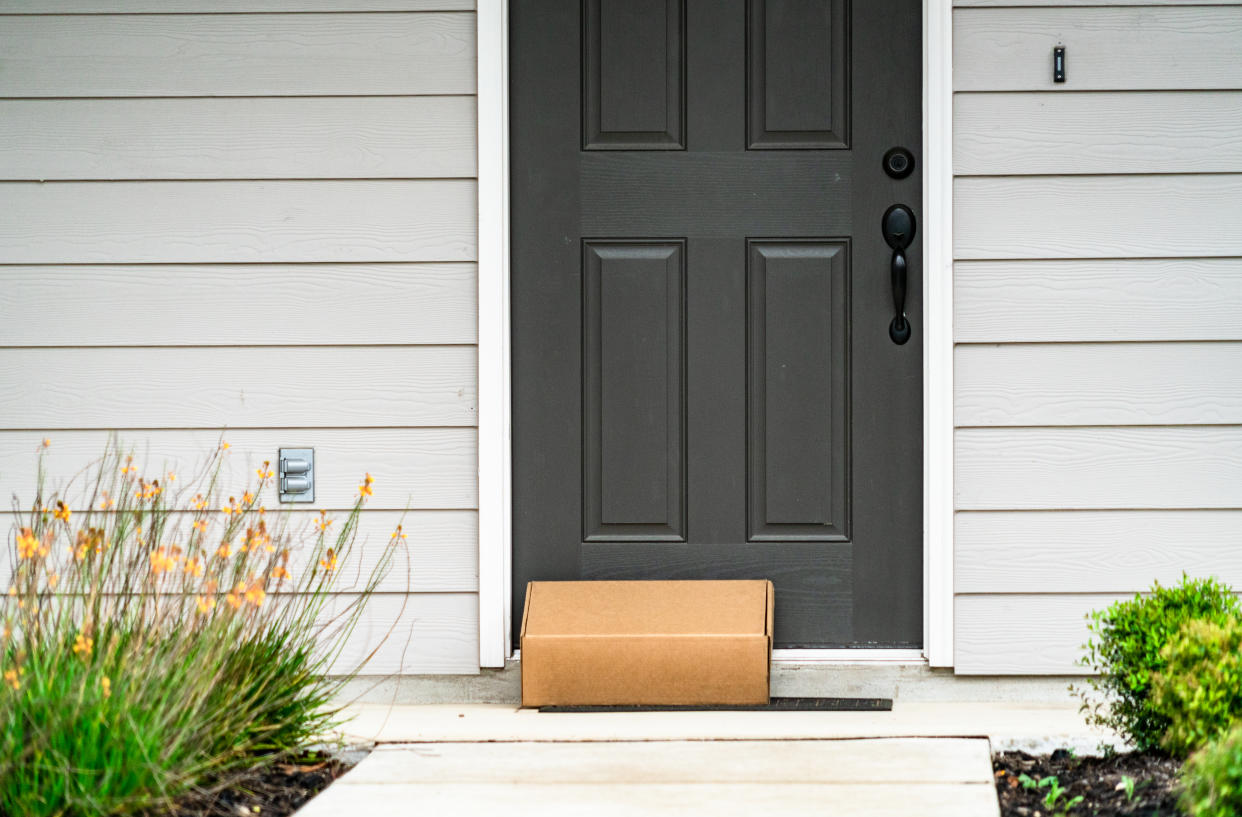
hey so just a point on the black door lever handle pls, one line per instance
(899, 228)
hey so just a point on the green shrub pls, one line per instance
(1212, 778)
(153, 642)
(1124, 653)
(1200, 689)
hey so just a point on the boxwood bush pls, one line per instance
(1212, 778)
(1124, 653)
(1200, 689)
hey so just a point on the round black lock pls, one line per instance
(898, 163)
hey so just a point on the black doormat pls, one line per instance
(773, 705)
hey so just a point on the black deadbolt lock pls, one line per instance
(898, 163)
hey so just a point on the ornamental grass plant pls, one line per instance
(158, 639)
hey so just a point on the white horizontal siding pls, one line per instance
(416, 468)
(1097, 216)
(1072, 384)
(231, 221)
(237, 55)
(283, 304)
(223, 6)
(439, 555)
(1072, 3)
(276, 387)
(1099, 468)
(262, 227)
(1093, 551)
(1104, 300)
(1189, 47)
(1098, 312)
(1105, 132)
(422, 633)
(1023, 634)
(238, 138)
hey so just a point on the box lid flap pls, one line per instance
(642, 607)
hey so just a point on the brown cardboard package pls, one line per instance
(611, 643)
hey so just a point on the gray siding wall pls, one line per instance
(1098, 315)
(265, 222)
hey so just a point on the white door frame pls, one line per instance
(495, 439)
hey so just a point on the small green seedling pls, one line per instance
(1127, 783)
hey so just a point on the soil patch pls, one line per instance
(274, 791)
(1101, 782)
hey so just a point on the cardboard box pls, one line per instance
(613, 643)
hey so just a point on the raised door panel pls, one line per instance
(797, 382)
(633, 456)
(797, 74)
(634, 83)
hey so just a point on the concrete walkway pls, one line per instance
(931, 777)
(919, 759)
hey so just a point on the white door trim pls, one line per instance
(495, 444)
(495, 448)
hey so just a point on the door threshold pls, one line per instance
(838, 656)
(849, 656)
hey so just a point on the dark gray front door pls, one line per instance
(704, 382)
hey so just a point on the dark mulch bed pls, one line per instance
(276, 791)
(1099, 780)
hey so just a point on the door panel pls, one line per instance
(704, 384)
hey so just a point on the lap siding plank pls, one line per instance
(416, 468)
(1072, 384)
(232, 221)
(1007, 134)
(238, 138)
(1098, 468)
(1039, 217)
(1105, 300)
(169, 55)
(277, 387)
(1092, 551)
(1190, 47)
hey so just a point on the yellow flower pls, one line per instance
(224, 551)
(105, 684)
(224, 446)
(53, 580)
(47, 442)
(328, 562)
(82, 645)
(365, 488)
(194, 567)
(265, 472)
(322, 523)
(247, 498)
(129, 467)
(172, 477)
(27, 544)
(398, 535)
(164, 559)
(62, 512)
(234, 598)
(200, 525)
(205, 604)
(11, 678)
(255, 594)
(199, 503)
(107, 501)
(279, 572)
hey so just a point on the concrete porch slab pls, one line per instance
(948, 777)
(1032, 727)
